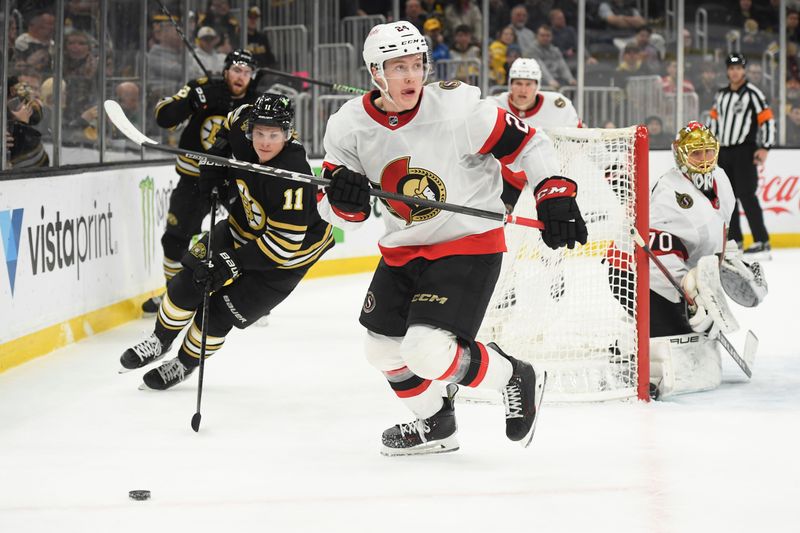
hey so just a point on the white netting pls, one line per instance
(556, 307)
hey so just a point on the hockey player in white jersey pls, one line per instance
(690, 206)
(438, 269)
(539, 109)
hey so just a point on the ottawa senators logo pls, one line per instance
(560, 102)
(449, 84)
(684, 200)
(398, 176)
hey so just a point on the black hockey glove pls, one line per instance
(208, 95)
(557, 208)
(222, 269)
(348, 191)
(211, 176)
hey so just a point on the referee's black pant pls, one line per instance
(737, 162)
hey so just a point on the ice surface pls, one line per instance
(292, 415)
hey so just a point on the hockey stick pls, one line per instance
(183, 36)
(204, 321)
(335, 86)
(751, 344)
(118, 118)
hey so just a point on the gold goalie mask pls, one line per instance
(696, 149)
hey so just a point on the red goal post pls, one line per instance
(563, 309)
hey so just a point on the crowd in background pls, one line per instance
(622, 43)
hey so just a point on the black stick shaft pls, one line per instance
(204, 320)
(183, 36)
(335, 86)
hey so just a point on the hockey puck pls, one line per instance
(139, 495)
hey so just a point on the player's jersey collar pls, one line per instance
(391, 121)
(539, 100)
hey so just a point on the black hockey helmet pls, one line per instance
(242, 57)
(271, 110)
(736, 59)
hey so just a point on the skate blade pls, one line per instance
(537, 398)
(450, 444)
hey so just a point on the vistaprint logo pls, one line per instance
(10, 230)
(154, 204)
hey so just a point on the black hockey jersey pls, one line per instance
(204, 124)
(274, 221)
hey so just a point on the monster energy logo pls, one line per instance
(148, 191)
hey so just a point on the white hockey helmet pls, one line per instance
(524, 68)
(395, 39)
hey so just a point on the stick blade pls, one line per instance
(750, 349)
(196, 421)
(117, 116)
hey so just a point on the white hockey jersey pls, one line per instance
(550, 110)
(449, 148)
(686, 225)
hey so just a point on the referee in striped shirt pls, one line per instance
(742, 122)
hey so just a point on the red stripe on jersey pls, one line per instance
(515, 179)
(386, 119)
(497, 132)
(484, 366)
(416, 391)
(490, 242)
(329, 166)
(454, 365)
(539, 100)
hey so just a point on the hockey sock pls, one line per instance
(476, 365)
(171, 268)
(415, 392)
(171, 320)
(189, 353)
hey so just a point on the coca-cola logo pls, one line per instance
(779, 194)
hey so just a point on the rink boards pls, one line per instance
(81, 252)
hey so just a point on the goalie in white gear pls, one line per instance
(539, 109)
(690, 206)
(438, 269)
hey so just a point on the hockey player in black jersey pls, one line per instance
(272, 236)
(204, 102)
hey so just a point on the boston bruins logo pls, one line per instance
(198, 250)
(399, 176)
(209, 129)
(252, 209)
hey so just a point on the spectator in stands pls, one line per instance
(550, 57)
(793, 125)
(669, 82)
(14, 24)
(129, 99)
(79, 61)
(435, 8)
(792, 67)
(537, 11)
(741, 13)
(650, 54)
(375, 7)
(460, 13)
(257, 40)
(218, 15)
(658, 139)
(82, 15)
(706, 85)
(498, 55)
(433, 34)
(631, 65)
(464, 49)
(565, 38)
(513, 52)
(499, 15)
(620, 15)
(23, 110)
(41, 28)
(755, 73)
(164, 61)
(753, 42)
(35, 59)
(525, 37)
(793, 25)
(414, 14)
(213, 61)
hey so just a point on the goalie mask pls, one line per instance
(696, 150)
(388, 41)
(274, 110)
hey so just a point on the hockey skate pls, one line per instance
(151, 305)
(436, 434)
(142, 354)
(522, 398)
(758, 251)
(167, 375)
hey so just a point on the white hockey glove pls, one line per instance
(710, 312)
(743, 283)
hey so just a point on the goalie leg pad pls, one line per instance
(684, 364)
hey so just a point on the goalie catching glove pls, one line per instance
(710, 312)
(557, 209)
(743, 283)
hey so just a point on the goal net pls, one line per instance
(563, 309)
